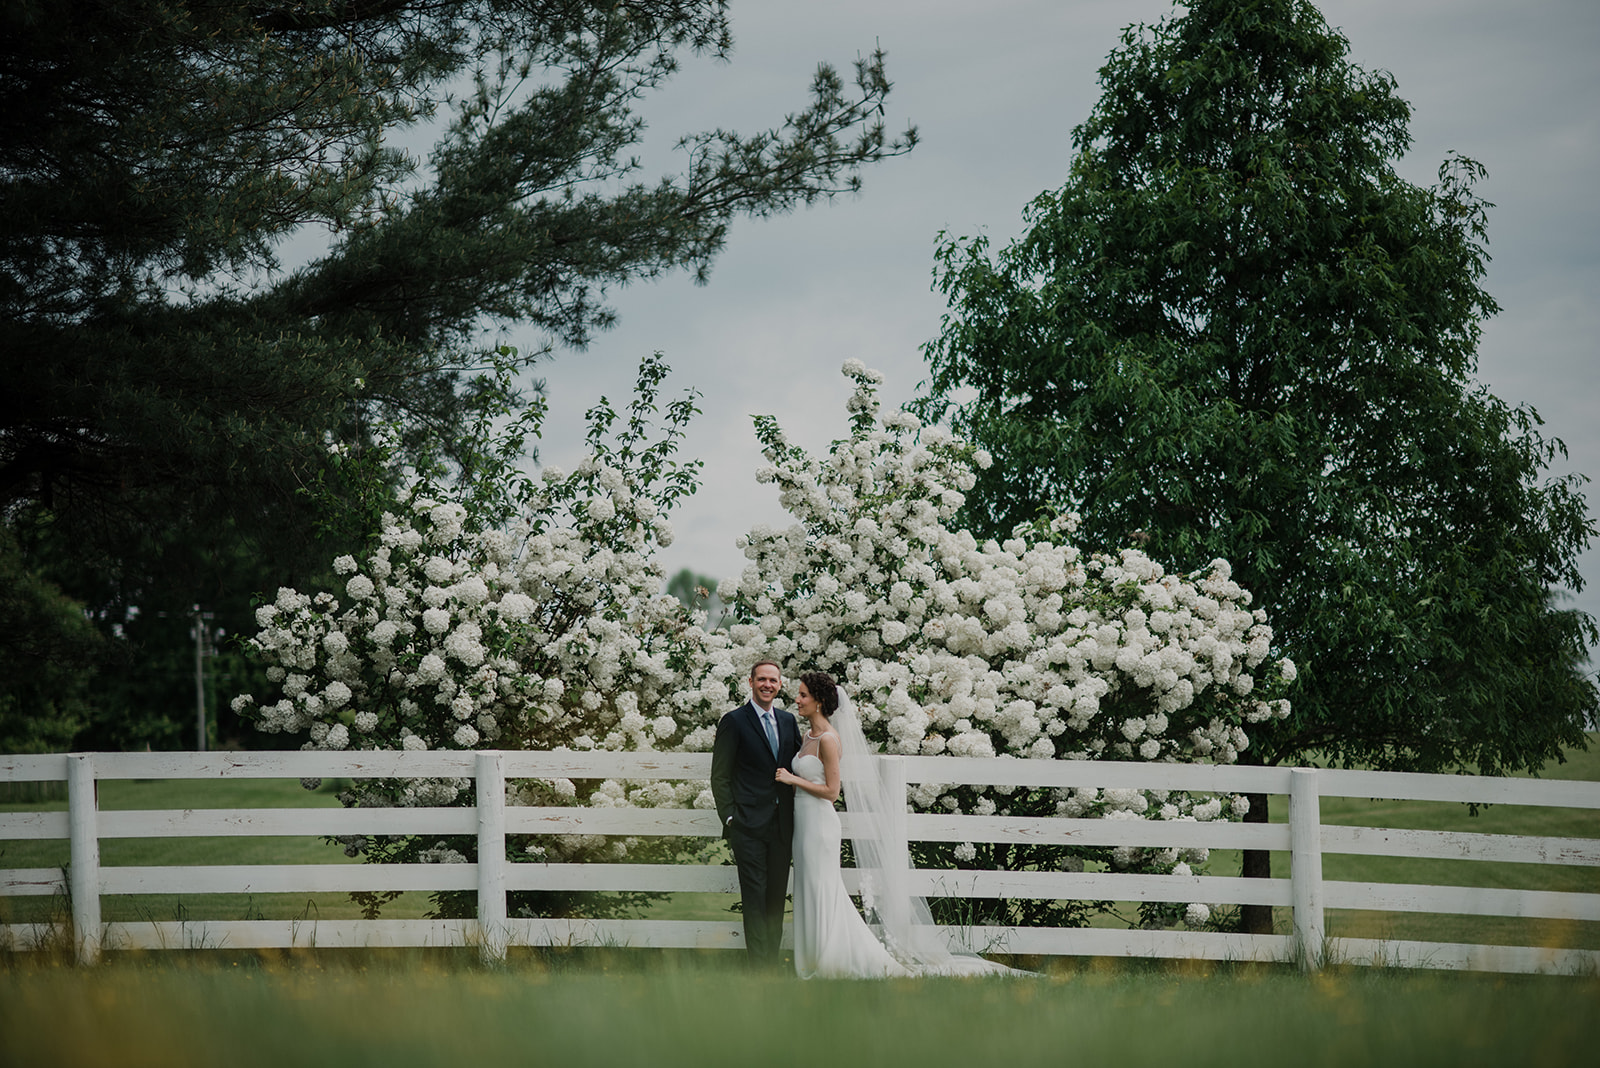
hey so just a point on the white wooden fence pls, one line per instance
(1304, 837)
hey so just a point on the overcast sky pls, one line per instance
(995, 88)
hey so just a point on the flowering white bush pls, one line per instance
(1026, 648)
(552, 632)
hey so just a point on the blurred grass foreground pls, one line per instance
(603, 1008)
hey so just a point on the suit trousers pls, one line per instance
(763, 863)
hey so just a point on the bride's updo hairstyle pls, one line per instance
(821, 686)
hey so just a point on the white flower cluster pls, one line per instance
(552, 633)
(1024, 648)
(546, 635)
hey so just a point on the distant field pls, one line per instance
(414, 1010)
(1496, 819)
(124, 794)
(284, 793)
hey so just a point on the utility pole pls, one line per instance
(200, 635)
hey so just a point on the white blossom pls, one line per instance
(545, 633)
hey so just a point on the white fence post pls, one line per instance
(490, 773)
(84, 882)
(1305, 866)
(892, 770)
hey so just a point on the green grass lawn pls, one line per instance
(417, 1009)
(270, 793)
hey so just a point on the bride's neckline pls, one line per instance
(817, 737)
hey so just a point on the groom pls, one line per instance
(756, 813)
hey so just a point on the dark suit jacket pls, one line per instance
(742, 766)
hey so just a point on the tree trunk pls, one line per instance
(1256, 919)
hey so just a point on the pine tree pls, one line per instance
(187, 421)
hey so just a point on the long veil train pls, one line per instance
(883, 861)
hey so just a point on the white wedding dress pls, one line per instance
(831, 940)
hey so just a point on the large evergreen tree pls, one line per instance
(183, 419)
(1235, 331)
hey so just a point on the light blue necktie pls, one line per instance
(772, 732)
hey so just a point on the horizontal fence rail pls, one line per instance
(490, 819)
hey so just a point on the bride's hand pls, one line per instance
(785, 776)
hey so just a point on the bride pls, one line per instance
(831, 940)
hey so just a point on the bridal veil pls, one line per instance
(878, 835)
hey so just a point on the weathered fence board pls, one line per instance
(291, 934)
(1101, 886)
(1103, 942)
(935, 827)
(26, 882)
(600, 764)
(45, 767)
(1104, 774)
(1458, 845)
(278, 822)
(299, 764)
(642, 821)
(1468, 789)
(19, 826)
(286, 878)
(1459, 956)
(656, 878)
(1463, 900)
